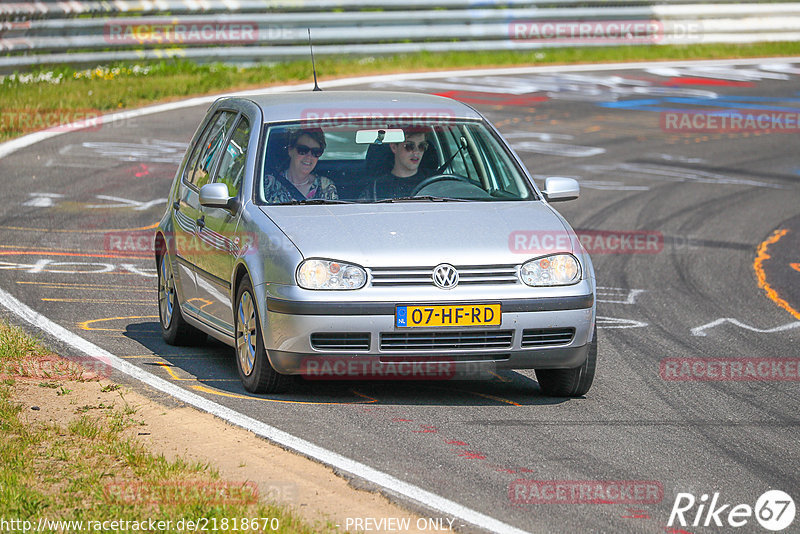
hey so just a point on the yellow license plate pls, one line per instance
(450, 315)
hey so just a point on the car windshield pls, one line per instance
(435, 161)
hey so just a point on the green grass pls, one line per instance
(15, 344)
(89, 469)
(32, 106)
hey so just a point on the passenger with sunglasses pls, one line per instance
(298, 181)
(405, 174)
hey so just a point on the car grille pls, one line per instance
(539, 337)
(340, 340)
(440, 340)
(422, 276)
(446, 358)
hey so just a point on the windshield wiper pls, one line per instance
(313, 201)
(421, 198)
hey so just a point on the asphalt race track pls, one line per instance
(724, 282)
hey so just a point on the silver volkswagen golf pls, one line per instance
(364, 235)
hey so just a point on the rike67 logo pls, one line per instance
(774, 510)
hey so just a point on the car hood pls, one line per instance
(424, 233)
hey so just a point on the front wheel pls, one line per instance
(570, 382)
(256, 373)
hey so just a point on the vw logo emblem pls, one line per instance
(445, 276)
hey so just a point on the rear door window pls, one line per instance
(232, 165)
(205, 152)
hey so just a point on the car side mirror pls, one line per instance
(215, 196)
(558, 189)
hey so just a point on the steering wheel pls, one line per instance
(438, 178)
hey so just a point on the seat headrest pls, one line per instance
(277, 158)
(379, 160)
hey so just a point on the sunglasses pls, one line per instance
(304, 149)
(422, 146)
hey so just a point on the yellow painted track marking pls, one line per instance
(758, 267)
(72, 254)
(492, 397)
(141, 334)
(84, 287)
(85, 324)
(78, 230)
(103, 301)
(204, 389)
(168, 368)
(76, 284)
(59, 249)
(171, 373)
(188, 356)
(484, 395)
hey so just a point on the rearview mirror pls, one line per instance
(378, 137)
(559, 189)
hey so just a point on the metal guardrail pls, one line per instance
(91, 32)
(58, 8)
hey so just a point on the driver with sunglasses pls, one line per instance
(405, 174)
(298, 182)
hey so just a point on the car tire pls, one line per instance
(570, 382)
(174, 328)
(257, 374)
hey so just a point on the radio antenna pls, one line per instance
(313, 66)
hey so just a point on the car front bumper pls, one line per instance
(363, 329)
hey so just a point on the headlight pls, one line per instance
(328, 274)
(556, 270)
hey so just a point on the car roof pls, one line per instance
(342, 104)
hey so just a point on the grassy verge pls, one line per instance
(91, 470)
(30, 105)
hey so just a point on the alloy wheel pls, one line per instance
(166, 293)
(246, 333)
